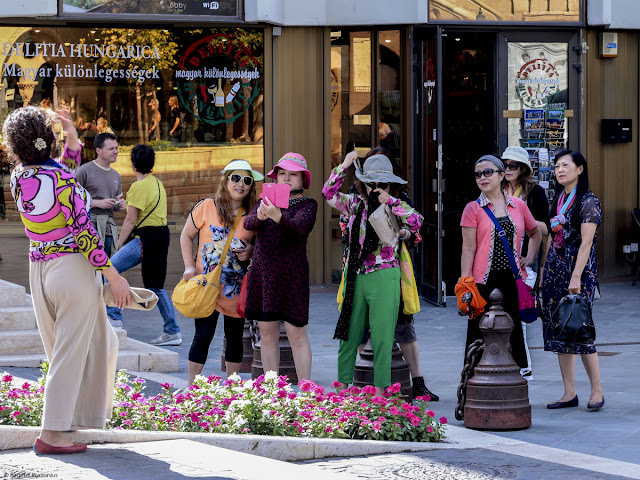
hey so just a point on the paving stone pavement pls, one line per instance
(572, 443)
(167, 460)
(464, 464)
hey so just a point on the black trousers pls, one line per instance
(206, 328)
(502, 280)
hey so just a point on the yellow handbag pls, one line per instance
(197, 297)
(408, 287)
(340, 297)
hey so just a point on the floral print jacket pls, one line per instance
(54, 210)
(382, 256)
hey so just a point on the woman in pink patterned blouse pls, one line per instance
(65, 276)
(372, 274)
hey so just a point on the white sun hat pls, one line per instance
(242, 165)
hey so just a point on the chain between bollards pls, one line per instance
(471, 360)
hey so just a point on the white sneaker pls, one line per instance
(168, 340)
(526, 374)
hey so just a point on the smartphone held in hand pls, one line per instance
(277, 193)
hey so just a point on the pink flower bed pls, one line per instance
(267, 405)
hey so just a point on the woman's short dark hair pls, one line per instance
(143, 158)
(582, 186)
(28, 134)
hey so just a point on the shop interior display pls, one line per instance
(543, 134)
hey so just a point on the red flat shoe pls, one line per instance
(42, 448)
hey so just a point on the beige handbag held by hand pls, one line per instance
(141, 298)
(385, 223)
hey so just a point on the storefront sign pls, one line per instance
(537, 83)
(219, 8)
(78, 69)
(218, 79)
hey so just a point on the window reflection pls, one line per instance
(195, 95)
(351, 114)
(389, 91)
(505, 11)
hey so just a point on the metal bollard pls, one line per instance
(286, 366)
(497, 396)
(363, 373)
(247, 350)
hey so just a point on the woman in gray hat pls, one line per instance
(372, 278)
(518, 182)
(484, 257)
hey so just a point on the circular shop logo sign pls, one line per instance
(217, 79)
(537, 83)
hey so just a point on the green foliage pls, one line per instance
(162, 145)
(22, 405)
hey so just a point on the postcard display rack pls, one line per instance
(543, 135)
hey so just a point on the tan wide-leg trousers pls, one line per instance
(80, 344)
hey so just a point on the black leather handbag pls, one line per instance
(573, 322)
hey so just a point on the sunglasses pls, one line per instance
(374, 185)
(235, 178)
(513, 166)
(487, 172)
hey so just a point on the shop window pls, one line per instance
(389, 92)
(365, 107)
(195, 95)
(538, 88)
(351, 116)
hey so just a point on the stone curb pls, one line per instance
(290, 449)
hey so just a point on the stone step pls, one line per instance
(17, 342)
(12, 295)
(138, 357)
(17, 318)
(142, 357)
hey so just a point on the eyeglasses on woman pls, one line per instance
(487, 172)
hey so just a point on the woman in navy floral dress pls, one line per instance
(571, 268)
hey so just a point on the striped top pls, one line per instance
(54, 210)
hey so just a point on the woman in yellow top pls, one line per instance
(212, 219)
(147, 214)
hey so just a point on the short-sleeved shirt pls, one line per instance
(474, 216)
(143, 195)
(101, 183)
(212, 237)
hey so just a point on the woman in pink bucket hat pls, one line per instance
(293, 162)
(278, 285)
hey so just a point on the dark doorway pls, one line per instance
(469, 113)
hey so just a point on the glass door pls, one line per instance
(352, 114)
(428, 161)
(366, 111)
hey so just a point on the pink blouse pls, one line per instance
(474, 216)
